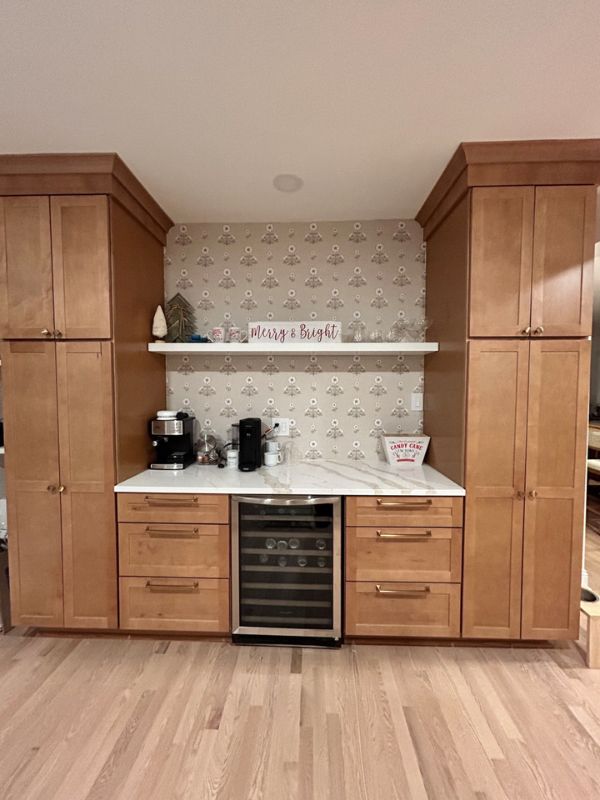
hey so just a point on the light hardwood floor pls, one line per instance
(88, 719)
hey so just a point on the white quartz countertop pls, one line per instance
(303, 477)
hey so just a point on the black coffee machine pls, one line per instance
(250, 444)
(173, 437)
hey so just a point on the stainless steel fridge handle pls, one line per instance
(271, 501)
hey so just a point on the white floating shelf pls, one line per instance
(343, 348)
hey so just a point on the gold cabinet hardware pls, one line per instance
(539, 330)
(157, 533)
(405, 535)
(46, 332)
(411, 504)
(51, 489)
(171, 587)
(533, 494)
(520, 494)
(527, 331)
(400, 592)
(57, 334)
(61, 488)
(171, 501)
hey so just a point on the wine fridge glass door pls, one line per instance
(286, 559)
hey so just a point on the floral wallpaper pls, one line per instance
(365, 275)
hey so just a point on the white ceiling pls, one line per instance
(366, 100)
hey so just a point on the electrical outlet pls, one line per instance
(284, 426)
(417, 401)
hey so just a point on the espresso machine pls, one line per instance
(172, 435)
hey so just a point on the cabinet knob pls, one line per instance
(527, 331)
(533, 494)
(61, 489)
(539, 330)
(46, 332)
(58, 334)
(520, 495)
(51, 489)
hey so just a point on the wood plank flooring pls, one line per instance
(106, 719)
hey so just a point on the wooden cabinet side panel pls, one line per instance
(26, 296)
(34, 524)
(556, 473)
(563, 260)
(495, 473)
(87, 471)
(138, 288)
(501, 260)
(81, 265)
(445, 371)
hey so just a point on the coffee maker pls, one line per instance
(250, 444)
(172, 435)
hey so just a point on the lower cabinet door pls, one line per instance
(86, 436)
(556, 476)
(403, 609)
(32, 481)
(175, 604)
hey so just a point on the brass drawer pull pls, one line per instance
(538, 331)
(156, 533)
(533, 494)
(400, 592)
(171, 501)
(46, 332)
(412, 504)
(172, 587)
(411, 535)
(527, 331)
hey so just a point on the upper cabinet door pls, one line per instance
(501, 260)
(26, 302)
(81, 263)
(563, 260)
(559, 380)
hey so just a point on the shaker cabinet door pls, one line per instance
(563, 260)
(495, 477)
(86, 432)
(555, 484)
(26, 298)
(81, 265)
(32, 481)
(501, 260)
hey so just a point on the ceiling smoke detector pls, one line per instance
(286, 182)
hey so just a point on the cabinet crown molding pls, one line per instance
(83, 173)
(539, 162)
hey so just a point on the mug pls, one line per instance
(272, 459)
(233, 458)
(272, 447)
(237, 335)
(218, 334)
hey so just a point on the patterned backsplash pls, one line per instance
(365, 275)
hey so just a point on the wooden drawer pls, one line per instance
(175, 604)
(405, 512)
(192, 508)
(404, 554)
(177, 551)
(403, 609)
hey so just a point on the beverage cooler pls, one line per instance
(286, 570)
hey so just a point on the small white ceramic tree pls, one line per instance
(159, 325)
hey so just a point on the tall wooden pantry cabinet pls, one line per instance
(81, 273)
(510, 230)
